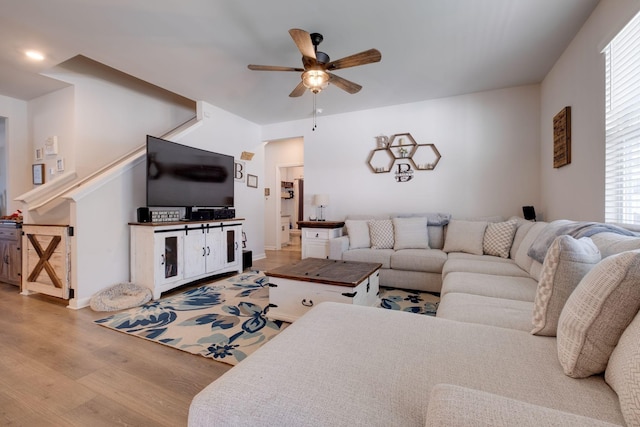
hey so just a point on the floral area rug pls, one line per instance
(226, 320)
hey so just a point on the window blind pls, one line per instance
(622, 126)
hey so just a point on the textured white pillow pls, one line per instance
(498, 238)
(465, 236)
(358, 231)
(597, 312)
(410, 233)
(566, 263)
(381, 233)
(623, 372)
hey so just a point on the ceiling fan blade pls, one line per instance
(298, 91)
(344, 84)
(273, 68)
(302, 39)
(362, 58)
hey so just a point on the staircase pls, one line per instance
(97, 209)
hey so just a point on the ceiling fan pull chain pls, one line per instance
(314, 113)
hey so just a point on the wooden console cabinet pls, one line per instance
(168, 255)
(10, 253)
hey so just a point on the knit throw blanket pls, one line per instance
(575, 229)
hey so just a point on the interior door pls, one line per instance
(46, 260)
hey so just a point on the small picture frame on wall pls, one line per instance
(252, 181)
(39, 154)
(38, 174)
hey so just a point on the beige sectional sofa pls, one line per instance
(477, 362)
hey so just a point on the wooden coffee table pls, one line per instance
(295, 288)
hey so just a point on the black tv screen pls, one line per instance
(182, 176)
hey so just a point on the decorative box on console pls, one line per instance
(165, 216)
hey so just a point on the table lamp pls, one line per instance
(321, 200)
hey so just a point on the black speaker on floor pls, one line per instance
(247, 259)
(529, 213)
(144, 215)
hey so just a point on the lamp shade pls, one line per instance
(321, 200)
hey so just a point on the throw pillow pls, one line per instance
(410, 233)
(566, 263)
(358, 232)
(623, 372)
(597, 312)
(498, 238)
(465, 236)
(381, 233)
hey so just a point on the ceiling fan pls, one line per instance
(316, 74)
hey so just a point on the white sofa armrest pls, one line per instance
(455, 406)
(337, 245)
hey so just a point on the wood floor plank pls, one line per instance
(163, 406)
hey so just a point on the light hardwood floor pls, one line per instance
(58, 368)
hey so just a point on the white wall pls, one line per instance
(489, 143)
(113, 113)
(226, 133)
(576, 191)
(53, 115)
(17, 150)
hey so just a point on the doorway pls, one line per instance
(291, 205)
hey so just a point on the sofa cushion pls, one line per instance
(566, 263)
(358, 232)
(465, 236)
(596, 314)
(623, 372)
(614, 243)
(488, 285)
(504, 313)
(472, 257)
(381, 233)
(410, 233)
(348, 365)
(382, 256)
(498, 268)
(498, 238)
(523, 228)
(455, 406)
(429, 260)
(523, 260)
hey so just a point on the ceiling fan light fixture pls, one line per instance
(315, 80)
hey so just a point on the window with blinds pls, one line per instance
(622, 128)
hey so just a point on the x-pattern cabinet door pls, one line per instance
(46, 260)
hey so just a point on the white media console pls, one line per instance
(167, 255)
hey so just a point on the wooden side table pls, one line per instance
(316, 235)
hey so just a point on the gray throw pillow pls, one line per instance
(465, 236)
(566, 263)
(597, 312)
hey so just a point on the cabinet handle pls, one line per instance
(236, 245)
(317, 235)
(204, 251)
(162, 256)
(307, 304)
(208, 250)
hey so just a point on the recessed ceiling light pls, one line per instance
(35, 55)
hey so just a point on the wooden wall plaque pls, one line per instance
(562, 138)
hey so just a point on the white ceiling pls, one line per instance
(200, 49)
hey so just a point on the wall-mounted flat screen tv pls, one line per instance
(183, 176)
